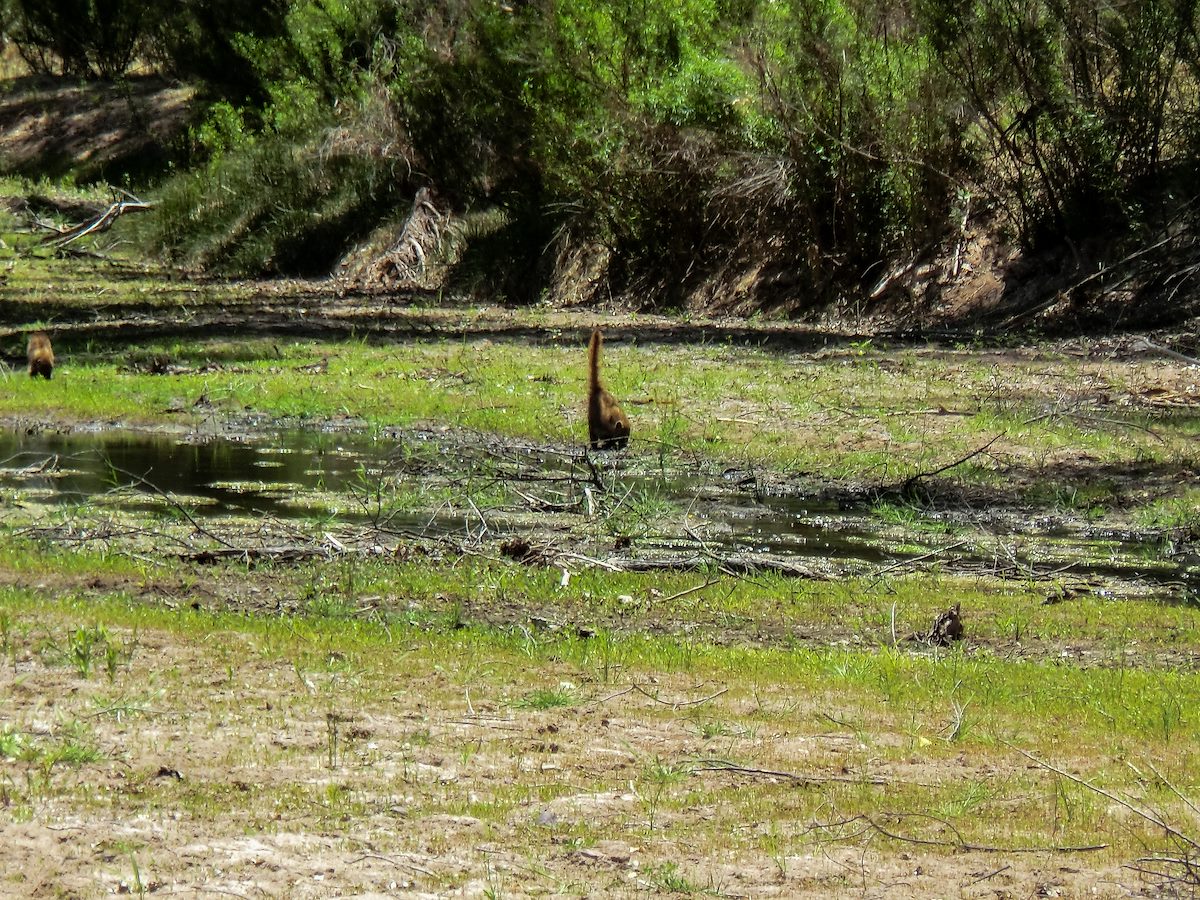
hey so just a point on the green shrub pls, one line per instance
(810, 144)
(205, 40)
(1081, 108)
(272, 206)
(81, 38)
(289, 185)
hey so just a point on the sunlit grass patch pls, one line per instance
(1182, 511)
(509, 389)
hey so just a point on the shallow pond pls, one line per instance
(437, 483)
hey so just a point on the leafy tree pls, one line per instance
(1079, 105)
(205, 40)
(81, 38)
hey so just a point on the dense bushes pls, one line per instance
(79, 38)
(1080, 109)
(192, 39)
(810, 144)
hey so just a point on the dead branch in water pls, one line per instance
(175, 504)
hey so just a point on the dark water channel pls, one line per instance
(211, 475)
(340, 476)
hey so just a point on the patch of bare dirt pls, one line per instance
(91, 128)
(227, 768)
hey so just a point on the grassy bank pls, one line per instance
(866, 414)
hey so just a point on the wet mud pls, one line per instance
(529, 501)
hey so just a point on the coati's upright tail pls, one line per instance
(608, 426)
(594, 363)
(40, 354)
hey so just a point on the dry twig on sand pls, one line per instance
(874, 823)
(1180, 869)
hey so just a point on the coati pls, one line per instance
(41, 355)
(607, 425)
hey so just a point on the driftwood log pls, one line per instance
(100, 222)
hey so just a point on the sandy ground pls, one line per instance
(220, 775)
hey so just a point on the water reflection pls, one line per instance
(347, 476)
(226, 475)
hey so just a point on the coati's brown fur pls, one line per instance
(608, 426)
(41, 355)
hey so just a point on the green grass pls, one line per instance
(441, 684)
(861, 413)
(886, 694)
(1117, 700)
(1182, 511)
(809, 415)
(331, 720)
(425, 592)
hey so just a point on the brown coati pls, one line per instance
(607, 425)
(41, 355)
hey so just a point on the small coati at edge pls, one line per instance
(40, 354)
(608, 426)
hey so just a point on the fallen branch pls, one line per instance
(699, 587)
(959, 843)
(722, 765)
(1088, 279)
(101, 222)
(628, 690)
(916, 559)
(989, 875)
(1148, 815)
(1085, 417)
(179, 507)
(734, 566)
(675, 704)
(413, 867)
(910, 482)
(1144, 344)
(590, 560)
(248, 554)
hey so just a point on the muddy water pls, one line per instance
(213, 476)
(350, 476)
(297, 473)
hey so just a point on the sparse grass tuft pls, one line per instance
(549, 698)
